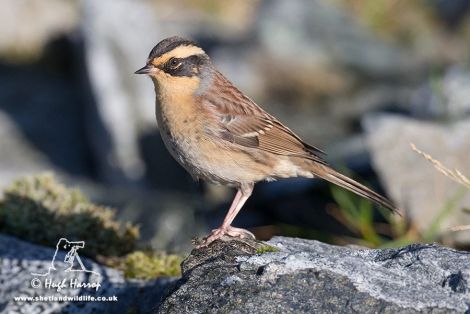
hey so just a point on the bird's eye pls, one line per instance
(174, 63)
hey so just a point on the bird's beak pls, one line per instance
(145, 70)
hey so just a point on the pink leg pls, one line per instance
(226, 229)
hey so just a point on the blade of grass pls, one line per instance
(346, 205)
(367, 223)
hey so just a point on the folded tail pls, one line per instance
(341, 180)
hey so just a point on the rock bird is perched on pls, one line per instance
(220, 135)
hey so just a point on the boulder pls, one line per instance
(307, 276)
(319, 31)
(22, 266)
(411, 181)
(284, 275)
(21, 41)
(18, 155)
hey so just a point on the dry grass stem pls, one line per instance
(460, 228)
(455, 175)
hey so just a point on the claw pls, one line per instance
(229, 231)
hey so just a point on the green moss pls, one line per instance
(150, 265)
(266, 249)
(40, 210)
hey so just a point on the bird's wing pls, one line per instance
(242, 122)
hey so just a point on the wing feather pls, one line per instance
(242, 122)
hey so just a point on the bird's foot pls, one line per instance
(229, 231)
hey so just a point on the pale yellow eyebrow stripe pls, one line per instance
(178, 52)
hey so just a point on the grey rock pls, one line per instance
(21, 40)
(446, 97)
(20, 262)
(411, 181)
(308, 276)
(319, 31)
(456, 92)
(117, 45)
(48, 119)
(18, 156)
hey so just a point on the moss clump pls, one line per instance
(149, 265)
(266, 249)
(40, 210)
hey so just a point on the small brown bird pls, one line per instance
(220, 135)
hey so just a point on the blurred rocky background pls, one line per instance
(360, 79)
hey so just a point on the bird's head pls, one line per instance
(176, 62)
